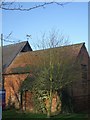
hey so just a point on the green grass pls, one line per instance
(17, 115)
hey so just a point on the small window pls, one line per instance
(84, 78)
(84, 72)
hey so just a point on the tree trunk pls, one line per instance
(50, 103)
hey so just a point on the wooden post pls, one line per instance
(2, 80)
(1, 77)
(1, 62)
(1, 73)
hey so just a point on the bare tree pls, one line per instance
(58, 70)
(51, 39)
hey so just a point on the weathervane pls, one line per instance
(28, 36)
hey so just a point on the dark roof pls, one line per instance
(41, 57)
(11, 51)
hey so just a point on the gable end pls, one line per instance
(26, 48)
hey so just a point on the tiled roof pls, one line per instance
(10, 52)
(41, 57)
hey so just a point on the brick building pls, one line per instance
(17, 72)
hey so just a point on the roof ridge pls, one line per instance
(61, 46)
(70, 45)
(15, 44)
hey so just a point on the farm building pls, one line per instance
(22, 66)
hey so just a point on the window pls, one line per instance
(84, 78)
(84, 72)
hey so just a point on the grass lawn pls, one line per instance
(16, 115)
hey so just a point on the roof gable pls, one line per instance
(85, 50)
(26, 47)
(11, 51)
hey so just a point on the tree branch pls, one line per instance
(7, 6)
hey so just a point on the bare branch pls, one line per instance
(7, 6)
(9, 35)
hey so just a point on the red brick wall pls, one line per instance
(28, 102)
(55, 101)
(12, 84)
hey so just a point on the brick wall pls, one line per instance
(12, 84)
(29, 105)
(80, 87)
